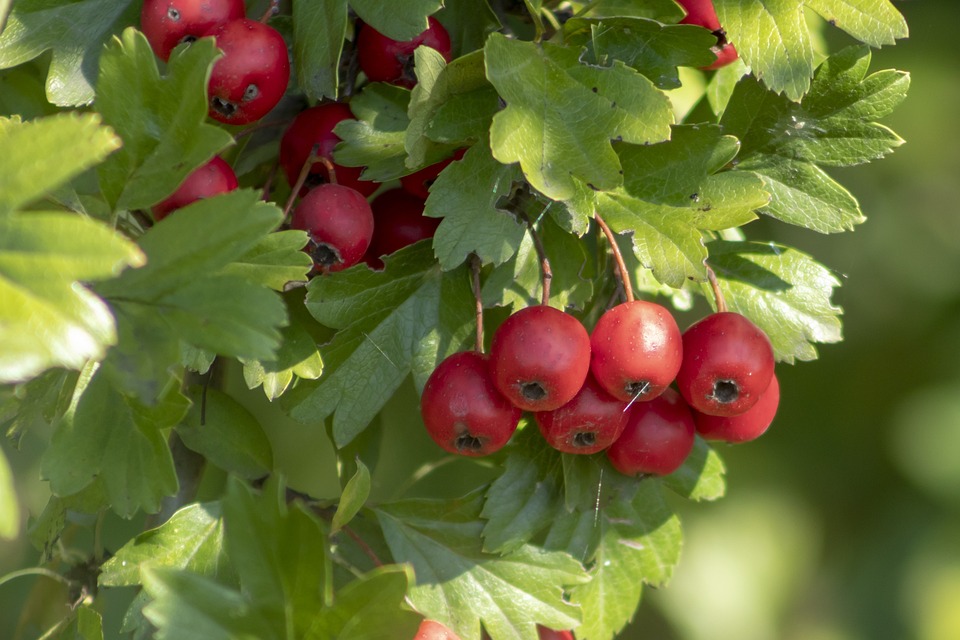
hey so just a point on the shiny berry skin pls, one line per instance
(419, 182)
(636, 350)
(211, 179)
(463, 411)
(700, 13)
(433, 630)
(747, 426)
(385, 60)
(252, 76)
(725, 52)
(549, 634)
(657, 439)
(398, 221)
(540, 357)
(339, 222)
(587, 424)
(727, 364)
(167, 23)
(314, 126)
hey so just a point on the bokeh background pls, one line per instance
(843, 521)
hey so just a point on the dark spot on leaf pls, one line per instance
(695, 197)
(594, 89)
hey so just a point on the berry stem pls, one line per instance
(546, 271)
(363, 545)
(717, 293)
(615, 248)
(475, 278)
(331, 171)
(259, 126)
(271, 11)
(268, 183)
(304, 172)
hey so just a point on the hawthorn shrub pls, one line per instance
(567, 154)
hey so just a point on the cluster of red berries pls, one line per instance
(608, 390)
(250, 79)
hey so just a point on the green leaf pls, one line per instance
(227, 434)
(353, 497)
(162, 120)
(400, 19)
(371, 607)
(280, 554)
(652, 48)
(562, 115)
(9, 504)
(298, 356)
(468, 22)
(74, 31)
(465, 118)
(319, 29)
(773, 39)
(671, 194)
(41, 155)
(462, 587)
(634, 540)
(376, 138)
(45, 530)
(875, 22)
(783, 291)
(274, 261)
(660, 10)
(467, 196)
(701, 476)
(87, 625)
(391, 323)
(192, 540)
(118, 439)
(47, 318)
(187, 606)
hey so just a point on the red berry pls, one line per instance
(419, 182)
(433, 630)
(727, 364)
(725, 52)
(636, 349)
(211, 179)
(747, 426)
(314, 126)
(339, 222)
(463, 411)
(549, 634)
(587, 424)
(167, 23)
(398, 221)
(657, 439)
(700, 13)
(385, 60)
(540, 357)
(252, 76)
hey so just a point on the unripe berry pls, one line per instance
(340, 224)
(587, 424)
(383, 59)
(209, 180)
(747, 426)
(657, 439)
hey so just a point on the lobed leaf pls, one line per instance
(874, 22)
(319, 30)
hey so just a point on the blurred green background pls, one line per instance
(843, 521)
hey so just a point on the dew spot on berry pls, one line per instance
(532, 391)
(584, 439)
(173, 14)
(324, 255)
(725, 391)
(224, 107)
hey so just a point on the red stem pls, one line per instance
(717, 293)
(475, 269)
(621, 265)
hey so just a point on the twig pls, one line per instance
(717, 293)
(370, 553)
(475, 273)
(304, 172)
(271, 11)
(547, 273)
(621, 265)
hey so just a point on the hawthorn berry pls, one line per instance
(167, 23)
(211, 179)
(314, 127)
(462, 409)
(339, 222)
(419, 182)
(544, 633)
(540, 357)
(587, 424)
(252, 76)
(703, 14)
(658, 437)
(727, 364)
(433, 630)
(636, 350)
(383, 59)
(398, 221)
(747, 426)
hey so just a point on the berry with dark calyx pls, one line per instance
(252, 76)
(587, 424)
(544, 633)
(433, 630)
(383, 59)
(657, 439)
(419, 182)
(703, 14)
(727, 364)
(462, 409)
(726, 53)
(636, 350)
(540, 357)
(167, 23)
(339, 222)
(314, 127)
(211, 179)
(747, 426)
(398, 221)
